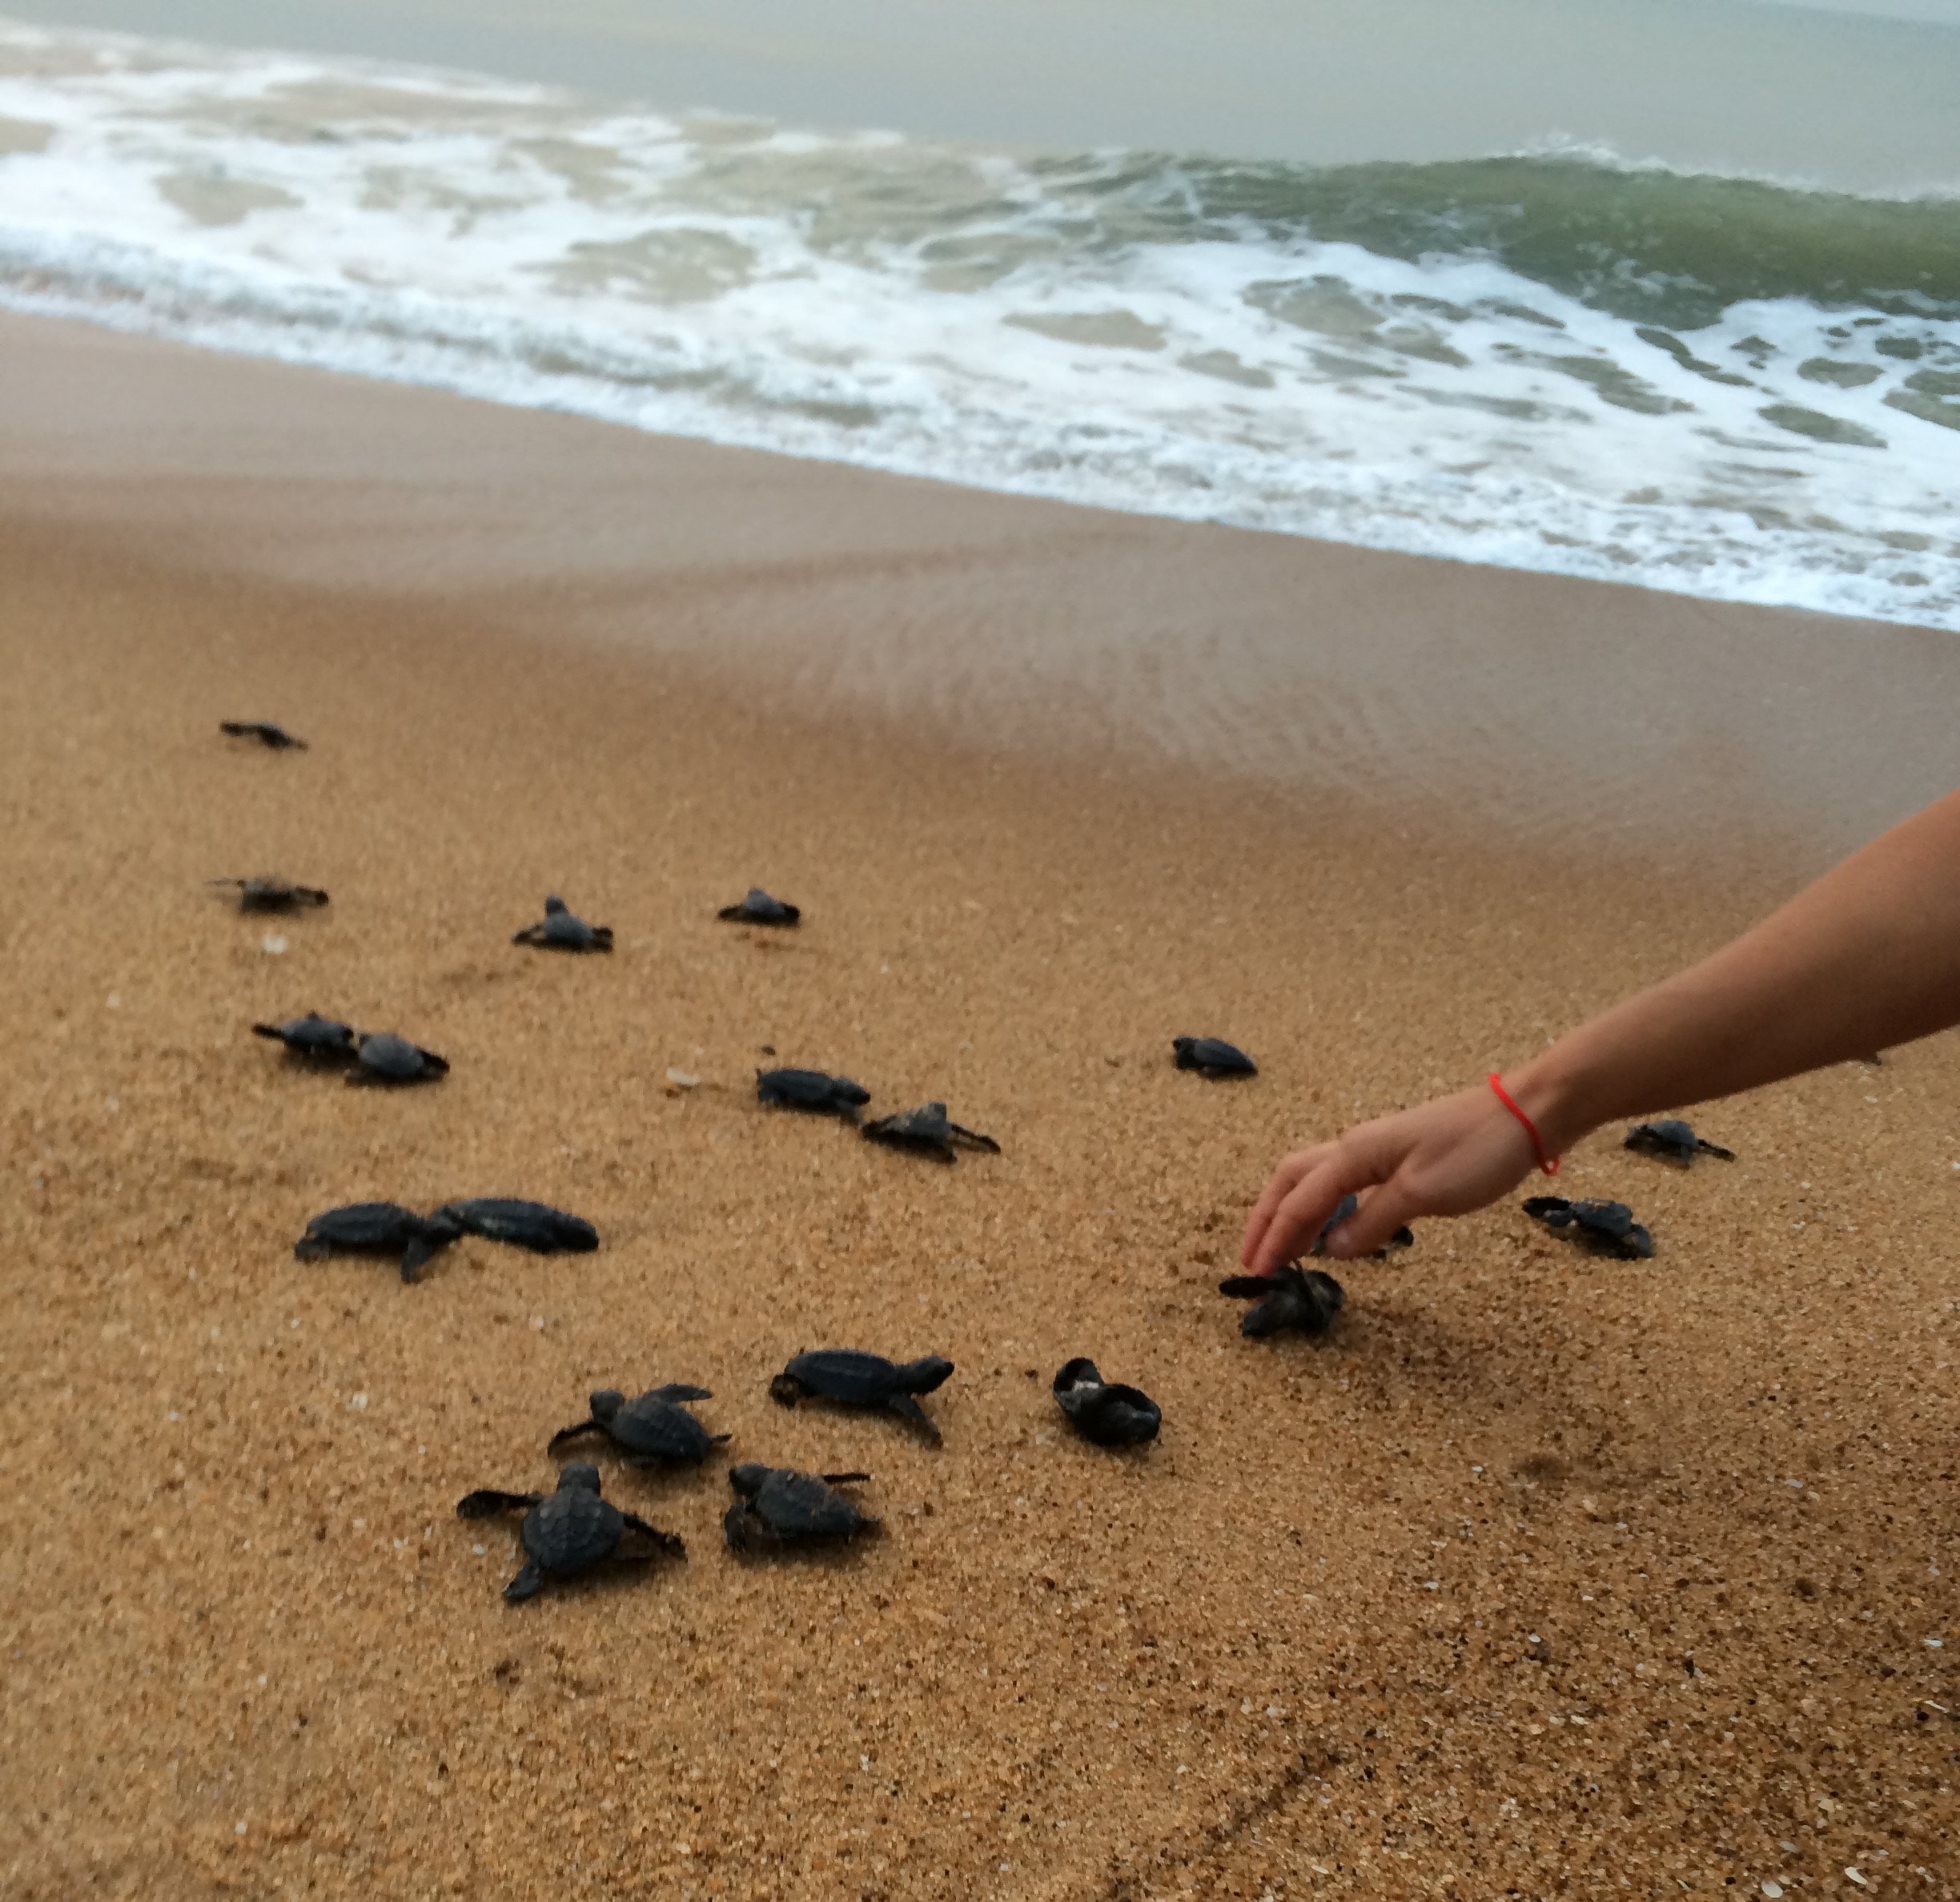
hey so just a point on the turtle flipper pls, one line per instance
(785, 1389)
(416, 1256)
(571, 1432)
(1708, 1148)
(738, 1526)
(530, 935)
(487, 1500)
(679, 1390)
(527, 1584)
(974, 1140)
(907, 1409)
(844, 1478)
(663, 1541)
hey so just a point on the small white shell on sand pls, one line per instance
(682, 1080)
(272, 944)
(1772, 1890)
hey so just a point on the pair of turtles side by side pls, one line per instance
(378, 1056)
(929, 1132)
(571, 1530)
(388, 1229)
(1600, 1227)
(777, 1507)
(813, 1091)
(652, 1429)
(1104, 1411)
(1672, 1141)
(268, 733)
(561, 929)
(759, 908)
(1212, 1057)
(847, 1376)
(272, 894)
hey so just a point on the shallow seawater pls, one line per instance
(1555, 359)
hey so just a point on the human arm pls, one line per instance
(1866, 957)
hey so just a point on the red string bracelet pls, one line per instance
(1548, 1164)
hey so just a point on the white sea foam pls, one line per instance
(1090, 327)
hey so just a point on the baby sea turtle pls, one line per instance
(1212, 1057)
(653, 1430)
(532, 1225)
(267, 732)
(1599, 1228)
(568, 1531)
(1403, 1237)
(854, 1379)
(928, 1131)
(272, 894)
(759, 908)
(375, 1228)
(775, 1506)
(1303, 1299)
(811, 1090)
(561, 930)
(386, 1058)
(1673, 1141)
(1109, 1415)
(318, 1040)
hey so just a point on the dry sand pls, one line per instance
(1545, 1576)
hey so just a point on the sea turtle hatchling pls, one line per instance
(563, 929)
(811, 1090)
(570, 1530)
(759, 908)
(1599, 1228)
(928, 1133)
(653, 1429)
(1100, 1410)
(272, 894)
(1305, 1300)
(1403, 1237)
(385, 1058)
(375, 1228)
(268, 733)
(1672, 1141)
(532, 1225)
(316, 1038)
(852, 1378)
(775, 1506)
(1212, 1057)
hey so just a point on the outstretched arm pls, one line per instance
(1866, 957)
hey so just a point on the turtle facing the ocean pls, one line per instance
(1600, 1227)
(272, 894)
(928, 1133)
(1672, 1141)
(563, 929)
(387, 1059)
(653, 1429)
(316, 1039)
(1305, 1300)
(532, 1225)
(1109, 1414)
(1212, 1057)
(811, 1090)
(775, 1506)
(377, 1229)
(267, 732)
(852, 1378)
(759, 908)
(570, 1530)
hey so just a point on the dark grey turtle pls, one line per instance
(1305, 1300)
(267, 732)
(273, 895)
(316, 1039)
(1599, 1228)
(655, 1430)
(759, 908)
(811, 1090)
(570, 1530)
(561, 929)
(928, 1133)
(377, 1229)
(776, 1506)
(532, 1225)
(386, 1058)
(1672, 1141)
(1098, 1410)
(1212, 1057)
(852, 1378)
(1403, 1237)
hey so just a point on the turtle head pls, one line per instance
(923, 1375)
(553, 905)
(1081, 1372)
(748, 1478)
(581, 1476)
(605, 1404)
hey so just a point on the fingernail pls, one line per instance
(1336, 1244)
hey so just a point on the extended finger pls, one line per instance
(1297, 1221)
(1382, 1211)
(1278, 1186)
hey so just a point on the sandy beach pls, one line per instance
(1544, 1575)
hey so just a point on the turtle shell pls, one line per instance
(572, 1528)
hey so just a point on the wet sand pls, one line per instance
(1543, 1574)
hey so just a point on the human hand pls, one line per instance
(1442, 1158)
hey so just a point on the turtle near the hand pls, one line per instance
(1403, 1237)
(928, 1133)
(1305, 1300)
(1212, 1057)
(1600, 1227)
(811, 1090)
(1672, 1141)
(534, 1226)
(387, 1059)
(267, 732)
(1110, 1414)
(570, 1530)
(316, 1038)
(375, 1228)
(775, 1506)
(653, 1429)
(852, 1378)
(563, 929)
(759, 908)
(272, 894)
